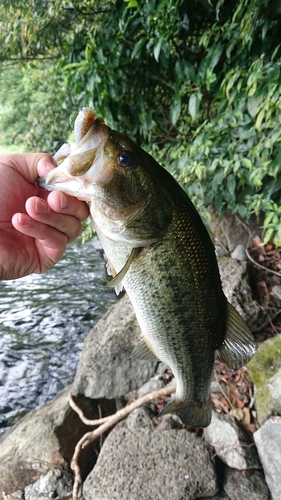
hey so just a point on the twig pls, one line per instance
(80, 413)
(222, 391)
(272, 325)
(266, 322)
(101, 436)
(107, 422)
(260, 266)
(220, 243)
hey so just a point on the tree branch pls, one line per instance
(104, 425)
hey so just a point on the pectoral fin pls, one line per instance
(121, 275)
(111, 272)
(143, 351)
(238, 346)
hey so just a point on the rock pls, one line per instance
(239, 253)
(151, 385)
(265, 372)
(139, 418)
(220, 251)
(217, 387)
(172, 464)
(238, 485)
(276, 290)
(236, 286)
(169, 421)
(46, 438)
(55, 483)
(268, 442)
(232, 443)
(105, 368)
(221, 495)
(19, 494)
(231, 231)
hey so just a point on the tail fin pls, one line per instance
(191, 413)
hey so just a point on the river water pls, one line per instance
(43, 322)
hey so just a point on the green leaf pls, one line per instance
(189, 70)
(259, 120)
(231, 184)
(157, 48)
(175, 110)
(179, 72)
(215, 54)
(253, 104)
(247, 163)
(138, 48)
(194, 103)
(131, 3)
(268, 235)
(277, 237)
(217, 180)
(268, 219)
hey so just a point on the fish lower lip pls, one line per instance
(41, 181)
(68, 185)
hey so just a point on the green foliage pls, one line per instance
(196, 83)
(14, 95)
(234, 158)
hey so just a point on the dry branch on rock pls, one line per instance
(105, 424)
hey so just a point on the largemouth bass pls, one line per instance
(159, 248)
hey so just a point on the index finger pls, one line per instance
(65, 204)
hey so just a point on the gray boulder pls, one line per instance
(239, 486)
(236, 286)
(231, 230)
(239, 253)
(45, 438)
(143, 464)
(232, 443)
(105, 368)
(265, 372)
(55, 483)
(221, 495)
(30, 448)
(268, 442)
(139, 418)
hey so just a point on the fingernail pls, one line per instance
(41, 207)
(45, 165)
(23, 219)
(63, 201)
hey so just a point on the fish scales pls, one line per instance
(160, 251)
(173, 295)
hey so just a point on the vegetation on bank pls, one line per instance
(196, 83)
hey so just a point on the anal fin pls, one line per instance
(239, 345)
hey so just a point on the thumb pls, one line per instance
(31, 165)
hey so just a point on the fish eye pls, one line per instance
(125, 159)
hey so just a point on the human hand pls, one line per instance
(35, 225)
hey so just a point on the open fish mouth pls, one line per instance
(83, 163)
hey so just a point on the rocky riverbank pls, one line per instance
(237, 457)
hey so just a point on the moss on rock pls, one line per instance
(264, 369)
